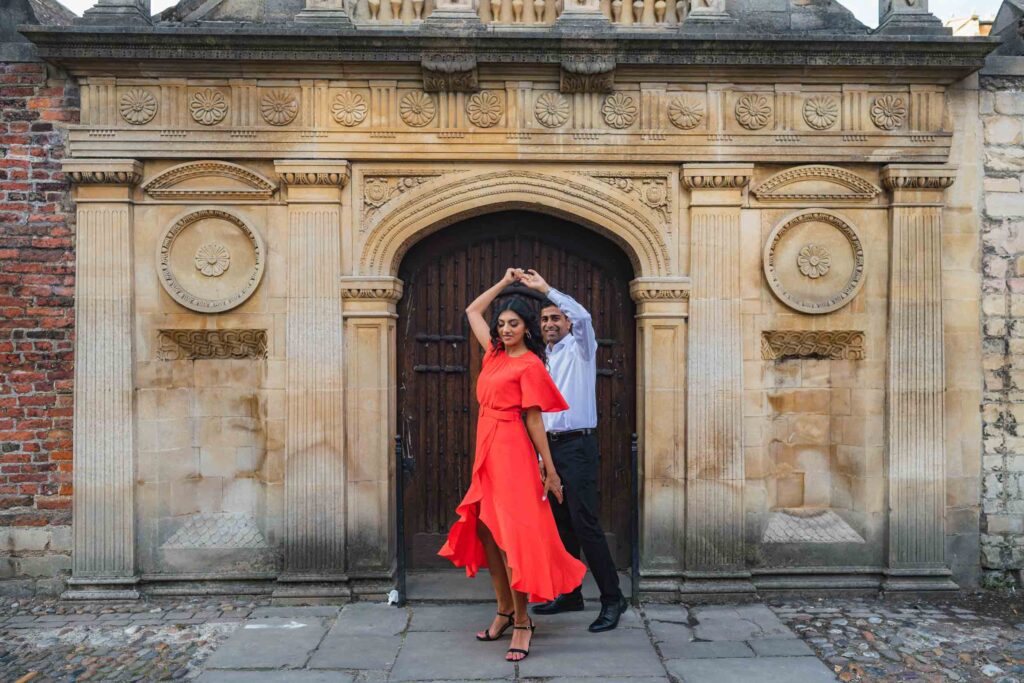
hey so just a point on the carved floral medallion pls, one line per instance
(619, 110)
(821, 112)
(484, 109)
(888, 112)
(208, 107)
(417, 109)
(138, 106)
(349, 108)
(279, 107)
(814, 261)
(685, 113)
(753, 111)
(210, 260)
(551, 110)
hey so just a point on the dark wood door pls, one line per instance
(438, 361)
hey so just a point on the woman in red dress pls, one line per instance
(505, 522)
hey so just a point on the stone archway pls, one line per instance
(370, 297)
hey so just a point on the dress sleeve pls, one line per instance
(539, 390)
(491, 352)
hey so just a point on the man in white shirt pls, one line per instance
(572, 362)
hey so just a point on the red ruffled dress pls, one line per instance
(506, 488)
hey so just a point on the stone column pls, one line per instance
(714, 448)
(661, 418)
(916, 381)
(103, 560)
(314, 541)
(370, 315)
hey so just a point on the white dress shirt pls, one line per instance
(572, 363)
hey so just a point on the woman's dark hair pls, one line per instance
(531, 337)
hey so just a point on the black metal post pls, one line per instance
(400, 520)
(634, 464)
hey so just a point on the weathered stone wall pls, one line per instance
(36, 327)
(1002, 522)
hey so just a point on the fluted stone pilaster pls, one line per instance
(103, 558)
(315, 540)
(714, 467)
(916, 381)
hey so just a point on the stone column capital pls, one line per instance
(103, 171)
(314, 172)
(661, 296)
(383, 288)
(716, 176)
(918, 176)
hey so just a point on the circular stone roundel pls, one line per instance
(814, 261)
(210, 260)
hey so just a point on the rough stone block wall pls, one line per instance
(1002, 521)
(37, 277)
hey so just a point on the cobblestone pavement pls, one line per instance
(228, 640)
(870, 640)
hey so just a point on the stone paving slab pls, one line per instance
(780, 647)
(741, 622)
(341, 650)
(676, 614)
(322, 612)
(300, 676)
(721, 649)
(375, 619)
(618, 653)
(759, 669)
(269, 644)
(620, 679)
(445, 655)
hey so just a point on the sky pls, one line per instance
(866, 10)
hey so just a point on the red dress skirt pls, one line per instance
(506, 488)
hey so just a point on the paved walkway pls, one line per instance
(435, 643)
(239, 640)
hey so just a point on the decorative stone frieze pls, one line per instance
(916, 379)
(279, 107)
(103, 560)
(484, 109)
(386, 289)
(649, 187)
(417, 109)
(659, 289)
(830, 344)
(138, 106)
(551, 109)
(821, 112)
(211, 344)
(686, 113)
(619, 110)
(888, 112)
(381, 187)
(324, 173)
(753, 112)
(208, 107)
(349, 108)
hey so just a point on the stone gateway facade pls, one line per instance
(793, 196)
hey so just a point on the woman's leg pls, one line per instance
(520, 637)
(499, 577)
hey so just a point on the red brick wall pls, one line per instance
(37, 278)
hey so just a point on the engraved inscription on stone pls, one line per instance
(210, 260)
(814, 261)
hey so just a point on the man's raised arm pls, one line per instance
(582, 324)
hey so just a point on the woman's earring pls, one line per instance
(529, 336)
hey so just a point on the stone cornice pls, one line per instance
(950, 58)
(387, 289)
(716, 176)
(644, 289)
(103, 171)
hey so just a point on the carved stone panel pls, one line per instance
(210, 260)
(814, 261)
(211, 344)
(825, 344)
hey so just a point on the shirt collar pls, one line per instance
(562, 343)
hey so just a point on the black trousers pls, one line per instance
(576, 461)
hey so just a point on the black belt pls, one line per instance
(569, 434)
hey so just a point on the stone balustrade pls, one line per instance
(652, 13)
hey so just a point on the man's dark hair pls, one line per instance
(547, 302)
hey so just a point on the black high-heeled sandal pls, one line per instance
(525, 653)
(487, 631)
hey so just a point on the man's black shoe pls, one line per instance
(566, 602)
(609, 616)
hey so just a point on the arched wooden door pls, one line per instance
(438, 361)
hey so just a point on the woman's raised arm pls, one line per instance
(475, 311)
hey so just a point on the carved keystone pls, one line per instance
(587, 73)
(449, 73)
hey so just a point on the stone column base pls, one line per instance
(304, 589)
(120, 588)
(918, 580)
(704, 584)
